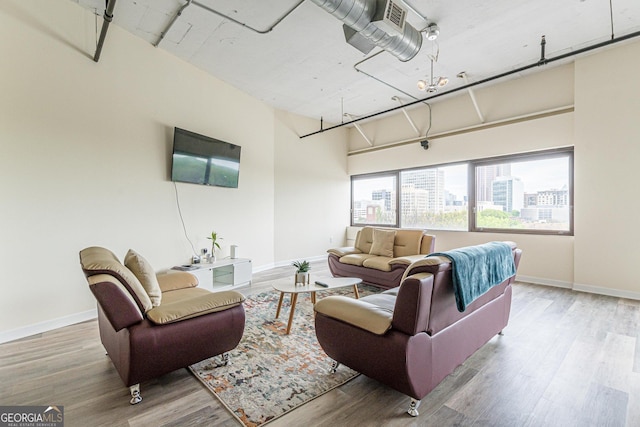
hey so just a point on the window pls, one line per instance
(530, 193)
(374, 200)
(434, 198)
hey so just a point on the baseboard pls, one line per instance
(310, 259)
(543, 281)
(49, 325)
(606, 291)
(580, 287)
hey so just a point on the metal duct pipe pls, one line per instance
(108, 17)
(359, 14)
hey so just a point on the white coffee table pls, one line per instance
(287, 286)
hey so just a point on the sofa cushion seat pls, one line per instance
(385, 300)
(187, 303)
(356, 259)
(381, 263)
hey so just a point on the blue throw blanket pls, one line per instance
(475, 269)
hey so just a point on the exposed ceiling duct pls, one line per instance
(370, 23)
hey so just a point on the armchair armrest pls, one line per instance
(346, 250)
(199, 305)
(172, 280)
(361, 314)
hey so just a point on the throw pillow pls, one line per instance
(383, 242)
(141, 268)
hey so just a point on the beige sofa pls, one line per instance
(381, 255)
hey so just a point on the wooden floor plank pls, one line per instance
(567, 358)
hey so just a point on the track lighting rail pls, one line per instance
(542, 61)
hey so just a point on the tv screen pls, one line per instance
(198, 159)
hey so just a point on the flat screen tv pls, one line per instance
(199, 159)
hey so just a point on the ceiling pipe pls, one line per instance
(488, 79)
(173, 20)
(413, 9)
(359, 15)
(108, 17)
(463, 76)
(355, 67)
(222, 15)
(404, 110)
(242, 24)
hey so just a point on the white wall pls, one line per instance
(312, 188)
(86, 160)
(607, 154)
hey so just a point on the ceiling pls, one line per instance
(303, 64)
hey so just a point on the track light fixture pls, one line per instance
(434, 83)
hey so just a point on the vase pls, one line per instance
(302, 278)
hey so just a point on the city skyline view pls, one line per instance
(527, 194)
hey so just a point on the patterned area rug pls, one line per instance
(271, 373)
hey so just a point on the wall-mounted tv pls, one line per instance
(199, 159)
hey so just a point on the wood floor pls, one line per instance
(566, 359)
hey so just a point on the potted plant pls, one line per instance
(214, 244)
(302, 272)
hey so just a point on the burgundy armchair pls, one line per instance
(154, 324)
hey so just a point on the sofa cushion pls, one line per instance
(355, 259)
(364, 239)
(185, 304)
(378, 263)
(145, 274)
(383, 242)
(407, 242)
(98, 260)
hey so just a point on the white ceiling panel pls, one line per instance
(304, 65)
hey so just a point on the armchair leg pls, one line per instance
(334, 367)
(413, 408)
(135, 394)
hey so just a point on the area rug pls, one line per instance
(271, 373)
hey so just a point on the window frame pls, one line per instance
(395, 174)
(514, 158)
(471, 190)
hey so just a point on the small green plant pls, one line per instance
(302, 266)
(214, 241)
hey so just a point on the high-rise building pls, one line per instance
(387, 196)
(553, 198)
(485, 175)
(508, 192)
(431, 180)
